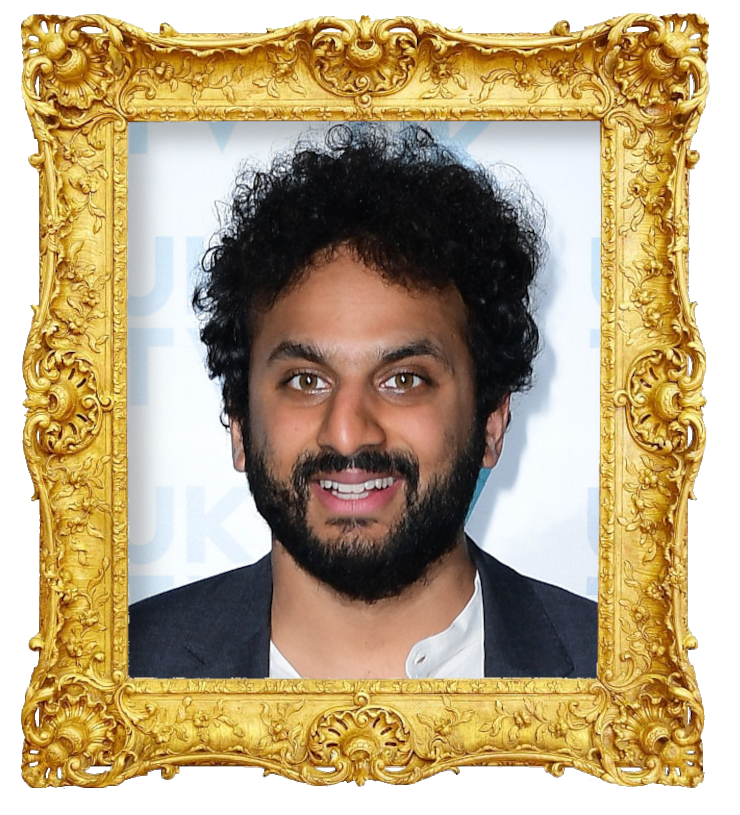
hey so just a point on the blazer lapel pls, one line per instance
(233, 639)
(520, 640)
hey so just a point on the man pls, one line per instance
(367, 312)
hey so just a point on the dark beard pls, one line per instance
(358, 567)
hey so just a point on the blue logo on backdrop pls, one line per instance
(208, 523)
(221, 132)
(154, 300)
(140, 340)
(142, 553)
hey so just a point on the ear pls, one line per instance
(496, 425)
(237, 446)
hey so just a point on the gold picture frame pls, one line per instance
(85, 721)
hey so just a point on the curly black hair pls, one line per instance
(401, 203)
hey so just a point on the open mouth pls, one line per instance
(355, 492)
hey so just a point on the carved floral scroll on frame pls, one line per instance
(644, 79)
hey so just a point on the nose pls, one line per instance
(351, 422)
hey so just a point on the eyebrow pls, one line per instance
(297, 350)
(419, 348)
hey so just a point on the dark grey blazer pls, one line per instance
(220, 627)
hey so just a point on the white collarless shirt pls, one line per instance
(455, 653)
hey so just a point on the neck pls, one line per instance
(325, 635)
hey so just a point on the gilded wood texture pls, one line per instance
(644, 78)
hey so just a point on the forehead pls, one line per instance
(347, 309)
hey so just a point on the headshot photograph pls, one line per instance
(394, 321)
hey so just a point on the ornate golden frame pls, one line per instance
(86, 722)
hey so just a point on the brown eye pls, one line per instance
(307, 383)
(402, 382)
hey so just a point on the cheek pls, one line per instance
(434, 434)
(281, 432)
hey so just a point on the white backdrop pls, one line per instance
(190, 514)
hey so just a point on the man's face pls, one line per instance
(363, 451)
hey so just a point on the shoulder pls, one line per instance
(539, 629)
(575, 618)
(191, 631)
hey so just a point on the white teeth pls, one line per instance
(350, 491)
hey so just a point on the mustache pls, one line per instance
(373, 461)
